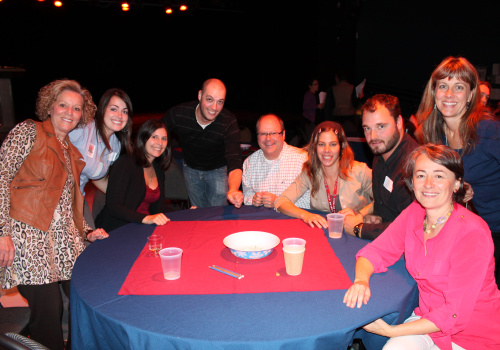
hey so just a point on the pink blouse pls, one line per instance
(457, 289)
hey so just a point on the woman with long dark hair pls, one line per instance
(102, 140)
(136, 185)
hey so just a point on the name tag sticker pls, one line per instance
(388, 184)
(91, 151)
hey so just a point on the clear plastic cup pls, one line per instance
(171, 262)
(335, 225)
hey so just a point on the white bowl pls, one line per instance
(251, 244)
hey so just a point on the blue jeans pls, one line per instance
(206, 188)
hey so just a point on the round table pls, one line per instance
(102, 319)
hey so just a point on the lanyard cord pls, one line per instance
(332, 202)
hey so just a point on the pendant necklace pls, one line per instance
(439, 221)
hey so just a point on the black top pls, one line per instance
(389, 204)
(213, 147)
(126, 191)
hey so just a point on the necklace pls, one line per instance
(64, 145)
(147, 171)
(439, 221)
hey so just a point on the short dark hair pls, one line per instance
(388, 101)
(147, 129)
(439, 154)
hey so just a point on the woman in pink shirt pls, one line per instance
(448, 251)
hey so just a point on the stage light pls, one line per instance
(58, 3)
(183, 8)
(168, 11)
(125, 6)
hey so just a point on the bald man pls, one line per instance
(210, 139)
(270, 170)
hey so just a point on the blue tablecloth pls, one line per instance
(102, 319)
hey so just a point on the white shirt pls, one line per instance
(97, 157)
(261, 174)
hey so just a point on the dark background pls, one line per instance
(264, 51)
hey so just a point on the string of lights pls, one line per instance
(168, 6)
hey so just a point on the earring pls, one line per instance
(468, 105)
(434, 106)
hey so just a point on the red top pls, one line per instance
(150, 197)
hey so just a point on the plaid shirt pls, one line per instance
(261, 174)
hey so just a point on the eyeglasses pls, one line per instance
(266, 134)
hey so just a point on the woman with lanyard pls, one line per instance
(337, 182)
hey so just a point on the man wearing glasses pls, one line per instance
(270, 170)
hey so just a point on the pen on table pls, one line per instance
(226, 271)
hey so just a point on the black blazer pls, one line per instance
(126, 191)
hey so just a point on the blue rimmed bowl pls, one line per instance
(251, 244)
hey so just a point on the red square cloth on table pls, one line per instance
(202, 245)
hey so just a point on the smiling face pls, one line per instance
(433, 185)
(66, 112)
(328, 149)
(271, 146)
(452, 96)
(382, 132)
(212, 98)
(115, 116)
(156, 144)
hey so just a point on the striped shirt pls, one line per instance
(212, 147)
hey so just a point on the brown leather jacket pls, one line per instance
(37, 186)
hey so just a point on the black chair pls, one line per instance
(13, 341)
(175, 186)
(14, 320)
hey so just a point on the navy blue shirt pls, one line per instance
(482, 172)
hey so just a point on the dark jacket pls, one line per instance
(126, 191)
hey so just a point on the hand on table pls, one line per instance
(157, 219)
(236, 198)
(6, 251)
(97, 234)
(268, 199)
(314, 220)
(357, 295)
(257, 199)
(351, 219)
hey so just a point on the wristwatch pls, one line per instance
(357, 229)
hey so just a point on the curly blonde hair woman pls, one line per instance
(42, 230)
